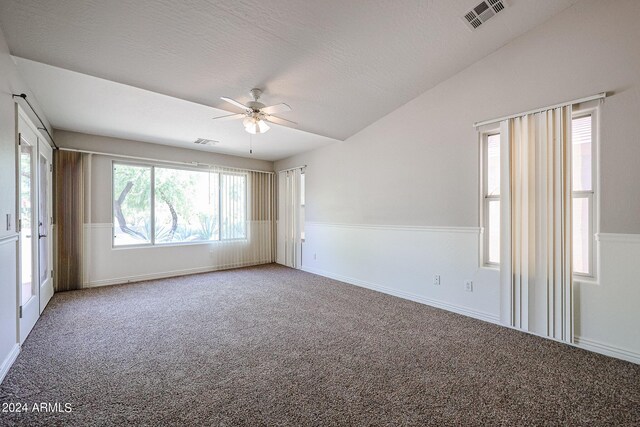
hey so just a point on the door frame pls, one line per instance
(28, 314)
(46, 288)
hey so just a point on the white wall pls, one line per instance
(107, 265)
(403, 260)
(10, 82)
(419, 166)
(606, 313)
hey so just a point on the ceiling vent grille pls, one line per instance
(483, 12)
(202, 141)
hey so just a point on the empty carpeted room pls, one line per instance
(310, 213)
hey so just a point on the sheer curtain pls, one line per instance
(536, 235)
(289, 226)
(246, 218)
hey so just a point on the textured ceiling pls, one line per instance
(340, 64)
(103, 107)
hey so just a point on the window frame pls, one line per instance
(303, 200)
(486, 198)
(152, 202)
(592, 109)
(593, 195)
(246, 206)
(152, 240)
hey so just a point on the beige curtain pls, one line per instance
(537, 236)
(69, 219)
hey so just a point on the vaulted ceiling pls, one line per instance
(340, 64)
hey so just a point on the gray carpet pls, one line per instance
(269, 345)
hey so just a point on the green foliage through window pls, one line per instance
(188, 205)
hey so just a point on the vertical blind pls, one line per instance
(69, 214)
(289, 212)
(537, 237)
(249, 240)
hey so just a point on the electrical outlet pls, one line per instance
(468, 285)
(436, 279)
(314, 256)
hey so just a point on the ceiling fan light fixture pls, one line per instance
(254, 125)
(263, 126)
(252, 129)
(256, 114)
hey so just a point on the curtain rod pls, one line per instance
(175, 162)
(291, 169)
(538, 110)
(44, 127)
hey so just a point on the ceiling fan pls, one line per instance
(256, 114)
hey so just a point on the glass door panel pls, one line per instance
(43, 232)
(45, 209)
(26, 222)
(28, 207)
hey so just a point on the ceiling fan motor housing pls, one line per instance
(255, 105)
(255, 93)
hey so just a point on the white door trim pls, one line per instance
(46, 287)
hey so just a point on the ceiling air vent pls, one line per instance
(202, 141)
(483, 12)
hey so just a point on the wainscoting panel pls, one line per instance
(9, 347)
(403, 260)
(105, 265)
(606, 311)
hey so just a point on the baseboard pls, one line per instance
(584, 343)
(487, 317)
(8, 361)
(607, 349)
(167, 274)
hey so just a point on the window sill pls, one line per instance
(585, 280)
(490, 267)
(169, 245)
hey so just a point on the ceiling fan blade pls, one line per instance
(234, 102)
(278, 120)
(229, 117)
(274, 109)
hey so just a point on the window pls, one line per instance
(131, 204)
(161, 205)
(233, 206)
(491, 195)
(583, 193)
(186, 206)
